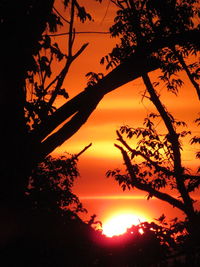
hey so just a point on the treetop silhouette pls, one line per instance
(162, 166)
(29, 60)
(33, 127)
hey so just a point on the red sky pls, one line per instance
(123, 106)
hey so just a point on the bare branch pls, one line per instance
(70, 56)
(83, 47)
(122, 74)
(69, 128)
(60, 81)
(60, 78)
(76, 156)
(71, 32)
(131, 69)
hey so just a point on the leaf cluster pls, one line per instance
(138, 23)
(152, 158)
(82, 14)
(42, 87)
(38, 85)
(151, 144)
(50, 185)
(123, 180)
(174, 60)
(93, 78)
(196, 140)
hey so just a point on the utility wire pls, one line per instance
(86, 32)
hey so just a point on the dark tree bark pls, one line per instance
(174, 140)
(134, 67)
(21, 26)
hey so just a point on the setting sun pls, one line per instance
(118, 224)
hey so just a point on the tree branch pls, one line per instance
(71, 32)
(138, 153)
(83, 47)
(122, 74)
(174, 140)
(158, 167)
(61, 15)
(66, 131)
(60, 78)
(146, 187)
(189, 74)
(76, 156)
(127, 71)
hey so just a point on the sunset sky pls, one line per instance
(99, 194)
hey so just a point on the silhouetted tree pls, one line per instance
(29, 116)
(50, 186)
(22, 26)
(147, 244)
(160, 165)
(35, 196)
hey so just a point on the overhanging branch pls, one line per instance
(122, 74)
(138, 153)
(69, 129)
(131, 69)
(76, 156)
(146, 187)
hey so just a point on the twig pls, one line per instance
(82, 151)
(147, 187)
(138, 153)
(60, 15)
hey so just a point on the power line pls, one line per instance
(85, 32)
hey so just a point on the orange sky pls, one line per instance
(123, 106)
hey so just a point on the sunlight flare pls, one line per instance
(118, 224)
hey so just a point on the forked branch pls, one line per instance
(133, 68)
(146, 187)
(67, 130)
(139, 153)
(174, 140)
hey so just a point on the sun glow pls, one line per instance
(118, 224)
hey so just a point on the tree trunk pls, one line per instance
(178, 169)
(21, 26)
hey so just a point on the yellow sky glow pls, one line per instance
(122, 106)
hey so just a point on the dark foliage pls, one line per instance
(154, 163)
(50, 185)
(38, 228)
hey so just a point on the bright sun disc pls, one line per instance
(118, 225)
